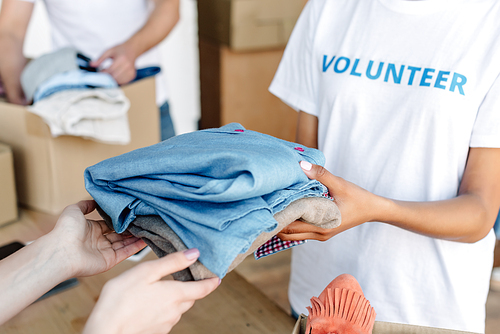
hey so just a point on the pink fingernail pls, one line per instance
(306, 165)
(192, 254)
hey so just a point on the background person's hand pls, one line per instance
(356, 206)
(138, 301)
(91, 246)
(123, 67)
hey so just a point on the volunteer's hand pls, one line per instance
(356, 206)
(91, 247)
(123, 67)
(138, 301)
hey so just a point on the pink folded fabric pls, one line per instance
(341, 308)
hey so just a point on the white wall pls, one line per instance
(180, 61)
(182, 67)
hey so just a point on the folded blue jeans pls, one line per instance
(217, 189)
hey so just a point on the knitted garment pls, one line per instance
(341, 308)
(163, 240)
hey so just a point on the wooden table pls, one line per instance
(235, 307)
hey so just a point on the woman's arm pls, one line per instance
(162, 20)
(307, 130)
(81, 247)
(14, 19)
(469, 217)
(466, 218)
(75, 247)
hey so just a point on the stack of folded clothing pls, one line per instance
(76, 99)
(225, 191)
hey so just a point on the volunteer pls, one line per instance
(403, 97)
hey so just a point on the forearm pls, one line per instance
(12, 63)
(307, 130)
(465, 218)
(29, 273)
(160, 23)
(468, 217)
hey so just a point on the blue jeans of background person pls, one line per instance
(167, 129)
(295, 315)
(217, 189)
(497, 227)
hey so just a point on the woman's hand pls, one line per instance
(90, 245)
(356, 206)
(75, 247)
(138, 301)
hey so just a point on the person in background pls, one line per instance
(125, 32)
(403, 98)
(79, 247)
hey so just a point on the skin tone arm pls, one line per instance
(14, 18)
(75, 247)
(161, 22)
(118, 310)
(467, 218)
(79, 247)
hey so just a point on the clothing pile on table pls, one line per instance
(76, 99)
(226, 191)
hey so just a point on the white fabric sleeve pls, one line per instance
(486, 131)
(293, 82)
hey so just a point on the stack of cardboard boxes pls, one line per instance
(241, 45)
(248, 25)
(49, 171)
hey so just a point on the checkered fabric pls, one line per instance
(275, 245)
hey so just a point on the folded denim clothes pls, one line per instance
(97, 114)
(84, 79)
(75, 79)
(217, 189)
(163, 240)
(42, 76)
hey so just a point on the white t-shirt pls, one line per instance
(401, 89)
(94, 26)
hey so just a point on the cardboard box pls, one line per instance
(8, 201)
(245, 25)
(385, 328)
(49, 171)
(234, 88)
